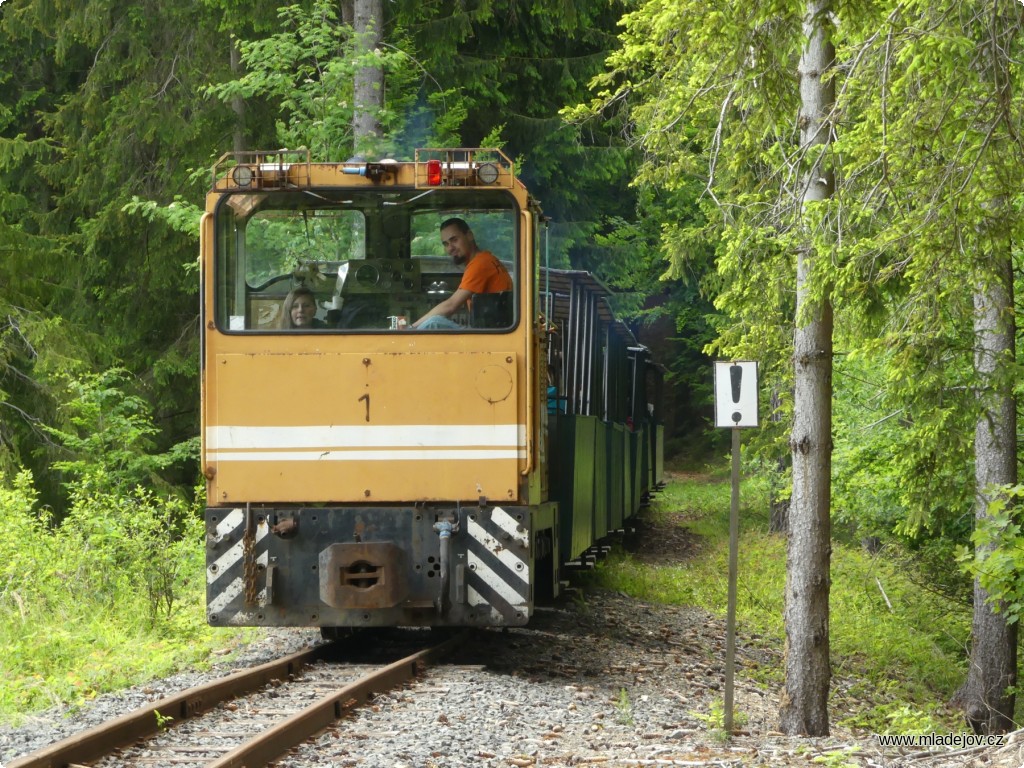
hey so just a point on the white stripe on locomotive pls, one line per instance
(361, 454)
(225, 438)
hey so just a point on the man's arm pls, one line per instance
(448, 307)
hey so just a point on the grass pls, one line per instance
(104, 600)
(70, 655)
(898, 649)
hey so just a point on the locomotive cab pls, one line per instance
(362, 472)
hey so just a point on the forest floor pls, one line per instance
(665, 540)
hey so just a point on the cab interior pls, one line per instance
(373, 261)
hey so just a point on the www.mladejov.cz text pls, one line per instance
(954, 740)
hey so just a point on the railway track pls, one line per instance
(246, 719)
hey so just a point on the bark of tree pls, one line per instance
(804, 705)
(369, 80)
(237, 102)
(986, 697)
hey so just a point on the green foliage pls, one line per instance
(903, 467)
(307, 72)
(714, 720)
(896, 717)
(132, 542)
(88, 597)
(838, 758)
(711, 106)
(929, 222)
(997, 559)
(111, 436)
(624, 708)
(664, 295)
(91, 119)
(24, 546)
(515, 64)
(105, 598)
(926, 207)
(37, 351)
(181, 215)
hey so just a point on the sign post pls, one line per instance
(735, 407)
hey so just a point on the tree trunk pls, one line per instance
(369, 79)
(237, 102)
(986, 697)
(804, 706)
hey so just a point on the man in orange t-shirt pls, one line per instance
(484, 274)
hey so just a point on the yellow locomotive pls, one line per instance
(365, 472)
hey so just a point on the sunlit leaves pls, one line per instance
(926, 156)
(998, 556)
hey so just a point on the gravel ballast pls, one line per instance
(598, 679)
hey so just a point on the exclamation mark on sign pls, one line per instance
(735, 377)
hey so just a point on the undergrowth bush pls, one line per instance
(111, 595)
(110, 591)
(135, 541)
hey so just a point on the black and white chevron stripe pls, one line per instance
(225, 584)
(498, 560)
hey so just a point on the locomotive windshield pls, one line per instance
(366, 260)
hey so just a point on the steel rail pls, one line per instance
(275, 741)
(98, 741)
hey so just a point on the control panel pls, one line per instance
(382, 276)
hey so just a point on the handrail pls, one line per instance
(528, 313)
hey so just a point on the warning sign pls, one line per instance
(736, 394)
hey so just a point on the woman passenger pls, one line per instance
(300, 310)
